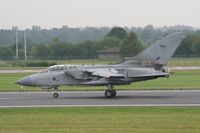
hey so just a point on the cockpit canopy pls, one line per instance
(61, 67)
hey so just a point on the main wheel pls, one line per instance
(108, 93)
(55, 95)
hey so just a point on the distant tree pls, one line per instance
(185, 48)
(109, 42)
(58, 50)
(148, 35)
(6, 53)
(130, 46)
(117, 32)
(86, 50)
(196, 44)
(40, 51)
(190, 46)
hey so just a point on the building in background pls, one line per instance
(110, 54)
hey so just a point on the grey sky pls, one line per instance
(80, 13)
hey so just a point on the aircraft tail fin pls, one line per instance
(162, 50)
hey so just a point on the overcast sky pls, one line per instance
(80, 13)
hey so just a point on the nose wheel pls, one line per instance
(55, 94)
(110, 92)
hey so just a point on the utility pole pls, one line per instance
(17, 53)
(25, 57)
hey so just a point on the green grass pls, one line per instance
(101, 119)
(179, 80)
(7, 82)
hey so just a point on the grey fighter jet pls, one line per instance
(147, 65)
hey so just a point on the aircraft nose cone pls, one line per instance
(26, 81)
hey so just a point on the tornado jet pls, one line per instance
(148, 65)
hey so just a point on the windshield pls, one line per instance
(61, 67)
(56, 68)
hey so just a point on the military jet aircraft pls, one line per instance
(147, 65)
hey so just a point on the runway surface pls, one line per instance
(96, 98)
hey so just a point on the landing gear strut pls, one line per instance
(55, 94)
(110, 92)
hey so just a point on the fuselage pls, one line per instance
(60, 75)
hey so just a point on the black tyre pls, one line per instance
(108, 93)
(55, 95)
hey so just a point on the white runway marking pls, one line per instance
(129, 105)
(131, 91)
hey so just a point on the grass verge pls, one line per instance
(101, 119)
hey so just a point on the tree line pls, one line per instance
(146, 35)
(60, 50)
(128, 42)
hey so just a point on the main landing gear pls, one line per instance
(110, 92)
(55, 94)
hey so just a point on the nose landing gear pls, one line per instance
(55, 94)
